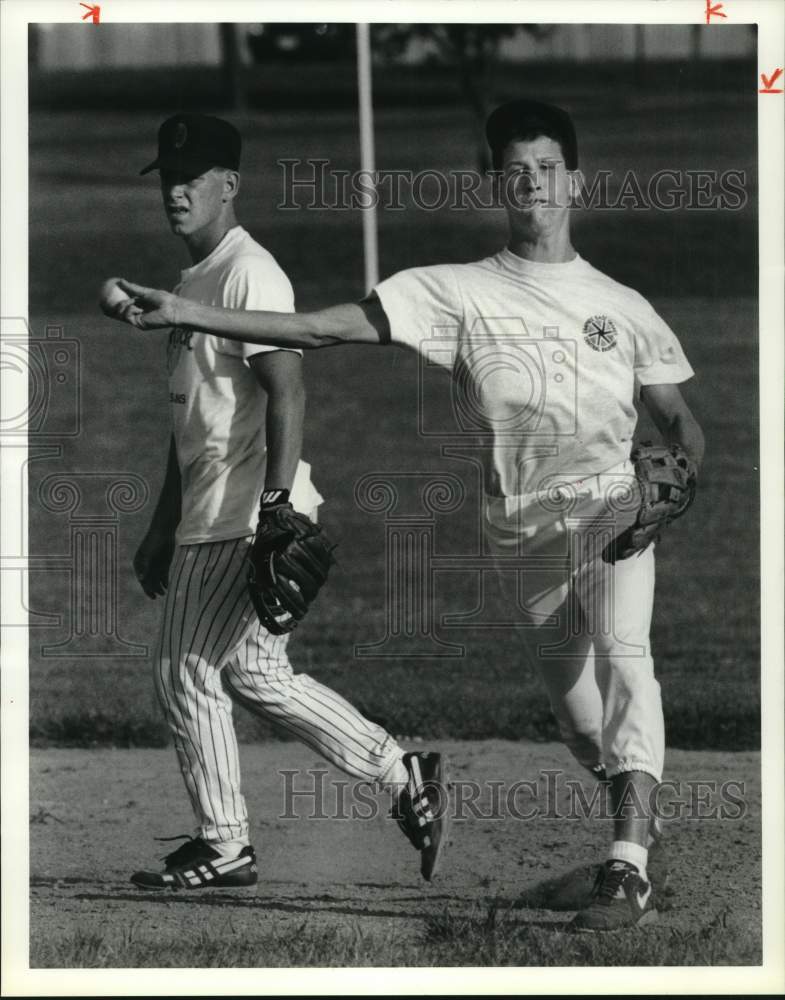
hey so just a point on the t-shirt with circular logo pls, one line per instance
(545, 362)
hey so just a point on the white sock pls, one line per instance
(396, 777)
(634, 854)
(229, 849)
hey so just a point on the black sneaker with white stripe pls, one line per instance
(620, 899)
(197, 865)
(423, 808)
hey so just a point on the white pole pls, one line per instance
(367, 156)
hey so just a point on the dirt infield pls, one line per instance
(94, 815)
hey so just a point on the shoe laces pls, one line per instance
(192, 847)
(611, 879)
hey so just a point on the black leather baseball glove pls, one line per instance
(288, 563)
(667, 480)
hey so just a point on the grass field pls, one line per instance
(488, 937)
(92, 217)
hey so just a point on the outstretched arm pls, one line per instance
(363, 323)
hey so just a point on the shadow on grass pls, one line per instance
(489, 936)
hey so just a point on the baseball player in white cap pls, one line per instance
(237, 413)
(575, 349)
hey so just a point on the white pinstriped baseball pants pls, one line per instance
(211, 633)
(587, 621)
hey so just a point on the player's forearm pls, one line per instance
(166, 515)
(284, 432)
(685, 431)
(304, 330)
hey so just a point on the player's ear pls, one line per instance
(231, 185)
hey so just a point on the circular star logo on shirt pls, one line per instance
(599, 333)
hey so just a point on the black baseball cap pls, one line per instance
(523, 118)
(194, 143)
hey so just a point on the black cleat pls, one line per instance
(620, 899)
(423, 808)
(197, 865)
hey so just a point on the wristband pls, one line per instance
(274, 498)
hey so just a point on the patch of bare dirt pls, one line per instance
(94, 814)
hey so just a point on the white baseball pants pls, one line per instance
(211, 634)
(585, 622)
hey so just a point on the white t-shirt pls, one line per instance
(546, 361)
(218, 407)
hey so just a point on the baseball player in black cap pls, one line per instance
(554, 354)
(237, 412)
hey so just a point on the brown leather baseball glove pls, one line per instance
(667, 478)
